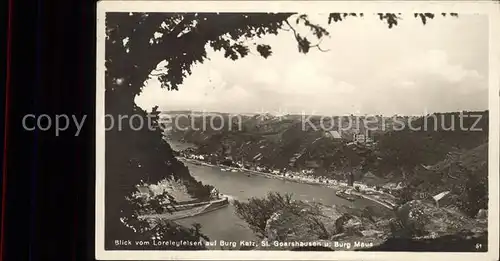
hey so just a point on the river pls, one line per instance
(223, 224)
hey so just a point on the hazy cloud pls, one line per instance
(370, 69)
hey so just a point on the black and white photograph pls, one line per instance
(295, 130)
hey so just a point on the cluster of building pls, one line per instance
(362, 136)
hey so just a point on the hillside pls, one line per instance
(290, 142)
(265, 140)
(402, 151)
(464, 174)
(427, 156)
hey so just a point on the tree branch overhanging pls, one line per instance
(303, 41)
(319, 47)
(209, 28)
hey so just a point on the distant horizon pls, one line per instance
(332, 115)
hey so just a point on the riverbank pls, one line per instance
(387, 202)
(191, 210)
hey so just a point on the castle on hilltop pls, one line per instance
(362, 134)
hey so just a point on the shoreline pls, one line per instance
(337, 187)
(197, 209)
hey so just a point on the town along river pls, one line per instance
(223, 224)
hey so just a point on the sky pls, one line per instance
(410, 69)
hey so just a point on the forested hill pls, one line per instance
(432, 140)
(430, 154)
(289, 142)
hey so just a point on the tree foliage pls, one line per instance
(258, 212)
(136, 43)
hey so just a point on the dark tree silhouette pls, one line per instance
(132, 55)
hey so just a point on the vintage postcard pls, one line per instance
(299, 130)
